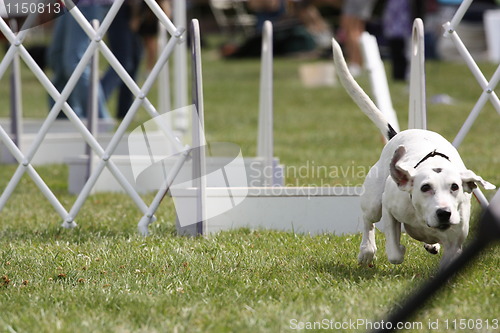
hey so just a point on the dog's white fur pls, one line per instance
(429, 193)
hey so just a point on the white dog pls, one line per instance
(419, 181)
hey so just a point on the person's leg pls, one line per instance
(119, 41)
(55, 54)
(353, 27)
(125, 96)
(76, 43)
(127, 47)
(399, 62)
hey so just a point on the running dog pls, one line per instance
(419, 181)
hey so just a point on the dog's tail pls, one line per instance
(358, 95)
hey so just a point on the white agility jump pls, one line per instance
(306, 210)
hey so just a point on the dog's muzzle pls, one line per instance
(443, 217)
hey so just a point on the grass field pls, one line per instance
(103, 277)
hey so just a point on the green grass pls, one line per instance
(103, 277)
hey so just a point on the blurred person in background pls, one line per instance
(298, 28)
(355, 14)
(397, 26)
(69, 43)
(126, 45)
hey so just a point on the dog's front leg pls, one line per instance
(392, 229)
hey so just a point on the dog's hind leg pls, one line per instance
(368, 247)
(372, 211)
(371, 205)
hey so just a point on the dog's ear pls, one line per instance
(401, 172)
(469, 180)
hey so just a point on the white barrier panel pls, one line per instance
(256, 173)
(306, 210)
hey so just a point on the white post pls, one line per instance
(180, 68)
(265, 131)
(164, 100)
(417, 117)
(93, 103)
(199, 162)
(16, 106)
(378, 78)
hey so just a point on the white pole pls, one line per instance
(93, 104)
(180, 68)
(474, 68)
(164, 101)
(417, 117)
(378, 78)
(149, 217)
(199, 161)
(488, 93)
(16, 95)
(457, 18)
(265, 131)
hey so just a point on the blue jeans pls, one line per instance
(69, 43)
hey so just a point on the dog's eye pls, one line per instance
(426, 188)
(454, 187)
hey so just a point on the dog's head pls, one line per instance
(437, 188)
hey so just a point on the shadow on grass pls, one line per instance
(381, 270)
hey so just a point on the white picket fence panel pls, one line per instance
(17, 49)
(488, 87)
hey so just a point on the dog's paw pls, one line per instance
(366, 256)
(432, 248)
(396, 256)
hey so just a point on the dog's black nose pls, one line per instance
(443, 215)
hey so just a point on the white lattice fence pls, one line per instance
(488, 87)
(60, 97)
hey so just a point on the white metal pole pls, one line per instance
(486, 94)
(15, 41)
(163, 18)
(199, 159)
(164, 98)
(378, 78)
(149, 217)
(16, 105)
(417, 117)
(180, 68)
(450, 32)
(265, 131)
(93, 104)
(457, 18)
